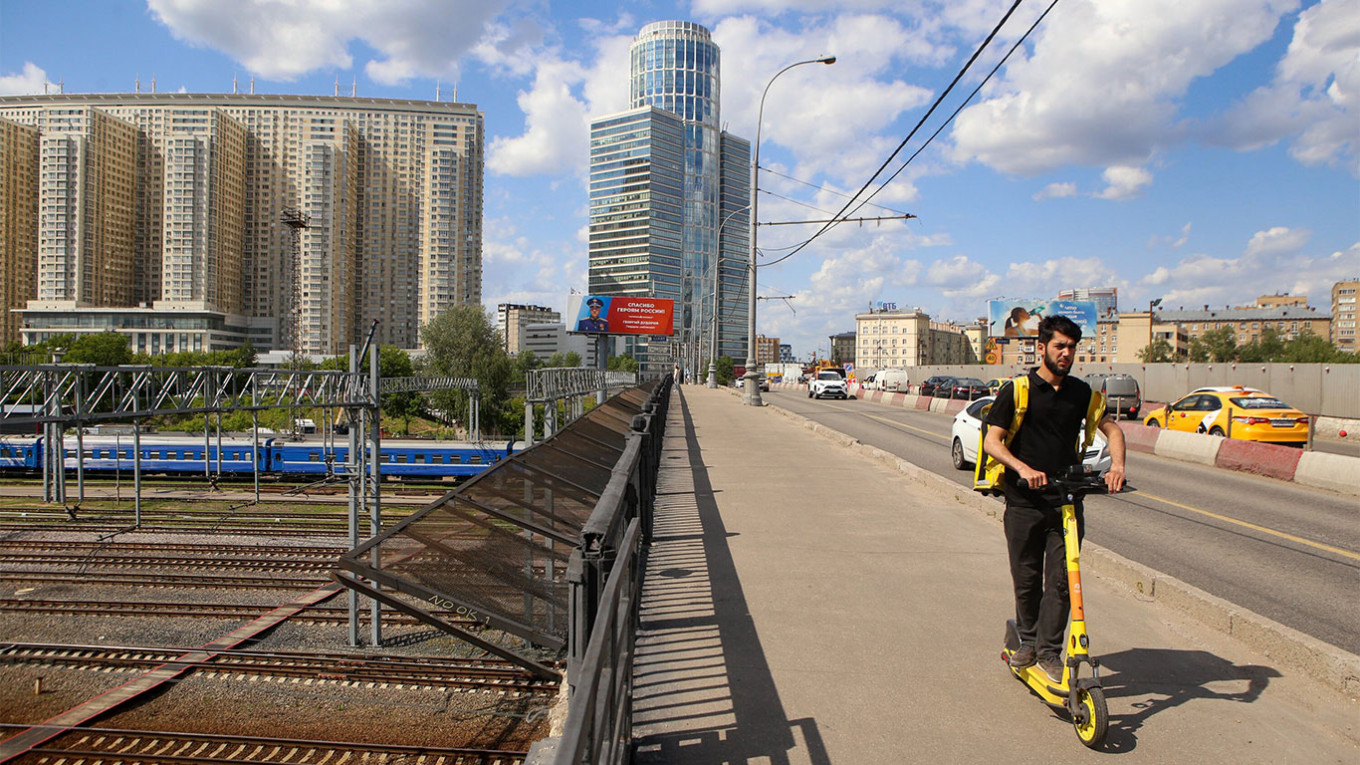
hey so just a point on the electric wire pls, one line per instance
(949, 120)
(819, 188)
(971, 60)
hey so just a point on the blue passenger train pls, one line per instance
(186, 455)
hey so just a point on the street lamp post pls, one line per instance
(751, 390)
(1151, 305)
(717, 278)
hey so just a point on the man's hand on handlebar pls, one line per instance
(1032, 478)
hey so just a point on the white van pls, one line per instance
(891, 380)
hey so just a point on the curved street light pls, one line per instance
(751, 390)
(717, 276)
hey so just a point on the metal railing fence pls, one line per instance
(606, 573)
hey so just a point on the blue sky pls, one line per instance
(1199, 151)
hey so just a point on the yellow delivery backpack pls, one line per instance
(987, 472)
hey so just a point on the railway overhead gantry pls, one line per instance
(71, 396)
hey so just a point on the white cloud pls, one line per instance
(1174, 242)
(1315, 97)
(30, 81)
(1276, 240)
(285, 40)
(1056, 191)
(1273, 260)
(556, 135)
(520, 270)
(1124, 183)
(1102, 82)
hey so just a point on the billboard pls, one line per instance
(1020, 318)
(619, 315)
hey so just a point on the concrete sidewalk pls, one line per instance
(804, 604)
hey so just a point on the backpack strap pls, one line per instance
(987, 472)
(1095, 412)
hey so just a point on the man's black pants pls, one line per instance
(1034, 538)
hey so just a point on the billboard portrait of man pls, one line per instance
(595, 322)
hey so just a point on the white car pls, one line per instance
(828, 383)
(964, 436)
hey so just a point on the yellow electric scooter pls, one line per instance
(1081, 697)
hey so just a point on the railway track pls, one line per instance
(145, 579)
(481, 674)
(231, 611)
(101, 746)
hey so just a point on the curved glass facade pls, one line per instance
(674, 66)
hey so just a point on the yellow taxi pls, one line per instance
(1233, 412)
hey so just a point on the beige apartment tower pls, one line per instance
(18, 224)
(293, 222)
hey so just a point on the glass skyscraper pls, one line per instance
(670, 198)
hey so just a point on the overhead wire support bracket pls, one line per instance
(904, 216)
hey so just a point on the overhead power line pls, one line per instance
(971, 60)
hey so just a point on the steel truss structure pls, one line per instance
(63, 396)
(570, 386)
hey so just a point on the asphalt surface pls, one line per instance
(807, 603)
(1285, 551)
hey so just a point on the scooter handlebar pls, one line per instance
(1078, 484)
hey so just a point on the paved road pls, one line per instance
(1287, 552)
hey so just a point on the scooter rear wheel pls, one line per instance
(1092, 729)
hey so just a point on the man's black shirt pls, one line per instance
(1047, 440)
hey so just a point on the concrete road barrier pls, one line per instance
(1323, 470)
(939, 405)
(1270, 460)
(955, 406)
(1140, 438)
(1187, 447)
(923, 402)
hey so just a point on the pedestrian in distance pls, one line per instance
(1045, 444)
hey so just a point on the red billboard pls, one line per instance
(618, 315)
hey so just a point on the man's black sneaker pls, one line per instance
(1023, 656)
(1053, 667)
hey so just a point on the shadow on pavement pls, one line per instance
(1158, 679)
(726, 709)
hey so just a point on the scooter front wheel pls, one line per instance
(1093, 717)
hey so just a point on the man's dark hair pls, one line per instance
(1050, 324)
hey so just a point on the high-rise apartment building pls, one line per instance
(1344, 314)
(670, 198)
(18, 224)
(191, 221)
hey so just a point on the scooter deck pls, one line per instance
(1037, 680)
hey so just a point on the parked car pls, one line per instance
(964, 436)
(968, 388)
(764, 383)
(994, 384)
(1123, 397)
(936, 386)
(870, 382)
(828, 383)
(1237, 412)
(892, 379)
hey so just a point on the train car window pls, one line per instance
(313, 456)
(436, 459)
(4, 452)
(455, 459)
(475, 459)
(401, 458)
(386, 458)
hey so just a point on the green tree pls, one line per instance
(724, 366)
(462, 342)
(1216, 345)
(624, 362)
(1158, 352)
(392, 362)
(1268, 346)
(560, 360)
(105, 349)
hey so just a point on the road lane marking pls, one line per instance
(895, 423)
(1255, 527)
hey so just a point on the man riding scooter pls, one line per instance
(1044, 445)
